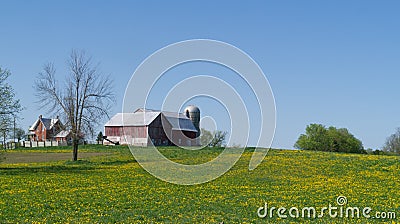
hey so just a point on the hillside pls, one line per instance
(112, 187)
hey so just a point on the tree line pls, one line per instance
(318, 137)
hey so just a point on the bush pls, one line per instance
(320, 138)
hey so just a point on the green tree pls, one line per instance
(392, 143)
(205, 137)
(218, 139)
(315, 138)
(19, 134)
(341, 140)
(99, 137)
(212, 139)
(10, 107)
(320, 138)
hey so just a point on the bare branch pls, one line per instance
(85, 100)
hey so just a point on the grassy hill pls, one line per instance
(112, 187)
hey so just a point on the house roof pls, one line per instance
(62, 134)
(144, 117)
(47, 122)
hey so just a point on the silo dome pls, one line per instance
(192, 109)
(193, 113)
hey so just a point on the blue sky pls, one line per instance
(330, 62)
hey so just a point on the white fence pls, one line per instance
(32, 144)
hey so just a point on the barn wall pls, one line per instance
(138, 132)
(177, 137)
(126, 135)
(184, 138)
(156, 132)
(135, 135)
(113, 131)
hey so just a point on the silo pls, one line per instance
(193, 113)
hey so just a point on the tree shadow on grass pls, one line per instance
(71, 167)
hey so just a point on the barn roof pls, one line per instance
(179, 121)
(132, 119)
(144, 117)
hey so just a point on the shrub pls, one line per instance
(332, 139)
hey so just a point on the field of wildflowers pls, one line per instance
(114, 188)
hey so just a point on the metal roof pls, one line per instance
(132, 119)
(144, 117)
(180, 122)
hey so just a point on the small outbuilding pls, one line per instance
(63, 136)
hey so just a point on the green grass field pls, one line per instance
(112, 187)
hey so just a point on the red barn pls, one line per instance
(145, 127)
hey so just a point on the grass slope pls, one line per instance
(114, 188)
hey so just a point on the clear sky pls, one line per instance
(330, 62)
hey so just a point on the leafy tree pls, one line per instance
(316, 138)
(19, 133)
(99, 137)
(205, 137)
(84, 100)
(218, 139)
(212, 139)
(341, 140)
(392, 143)
(9, 106)
(5, 126)
(320, 138)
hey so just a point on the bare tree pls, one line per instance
(84, 100)
(392, 143)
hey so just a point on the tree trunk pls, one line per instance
(75, 150)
